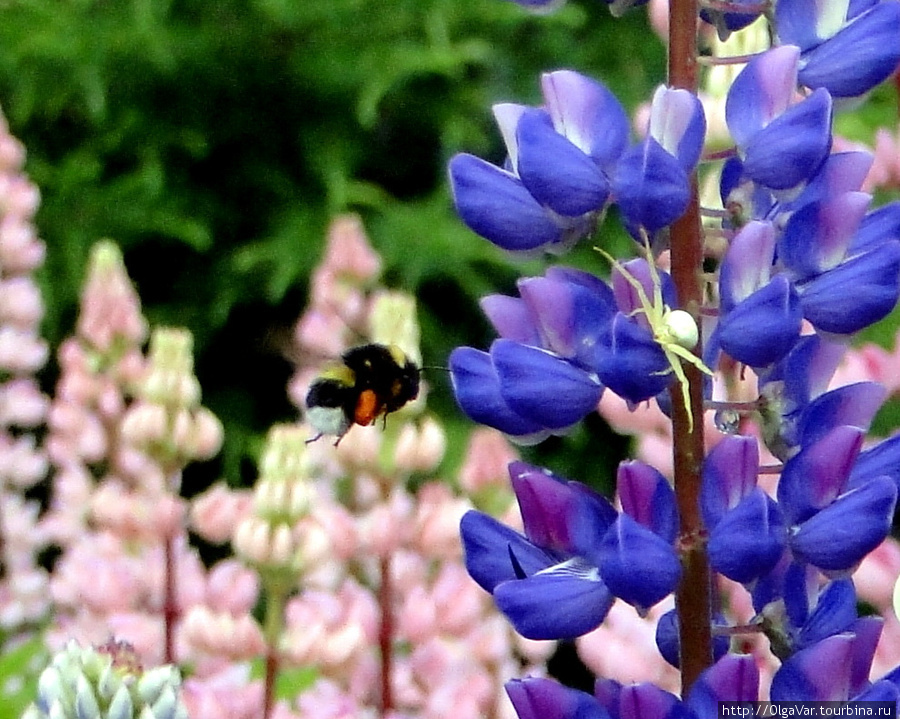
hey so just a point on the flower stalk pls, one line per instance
(693, 598)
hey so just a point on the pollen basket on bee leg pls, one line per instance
(368, 407)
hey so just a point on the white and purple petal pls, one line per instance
(563, 602)
(586, 113)
(761, 92)
(860, 56)
(556, 172)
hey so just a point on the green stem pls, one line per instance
(693, 599)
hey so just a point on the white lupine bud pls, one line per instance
(121, 706)
(85, 702)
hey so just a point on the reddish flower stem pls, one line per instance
(170, 607)
(386, 636)
(692, 599)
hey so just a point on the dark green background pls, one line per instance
(214, 139)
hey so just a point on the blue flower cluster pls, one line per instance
(808, 264)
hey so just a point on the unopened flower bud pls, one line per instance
(107, 681)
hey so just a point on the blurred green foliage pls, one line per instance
(214, 140)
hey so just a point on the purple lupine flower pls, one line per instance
(537, 698)
(780, 144)
(636, 556)
(747, 529)
(760, 314)
(561, 157)
(840, 292)
(539, 377)
(733, 678)
(543, 581)
(651, 181)
(798, 411)
(848, 54)
(836, 669)
(831, 526)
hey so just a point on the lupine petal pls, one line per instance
(761, 92)
(569, 316)
(511, 317)
(678, 124)
(877, 227)
(477, 390)
(507, 116)
(648, 498)
(495, 204)
(487, 545)
(881, 460)
(587, 114)
(860, 56)
(852, 404)
(841, 172)
(749, 539)
(747, 265)
(538, 698)
(545, 502)
(637, 565)
(839, 536)
(817, 236)
(589, 519)
(880, 691)
(733, 678)
(554, 171)
(855, 294)
(835, 612)
(867, 632)
(729, 475)
(651, 187)
(807, 22)
(729, 22)
(814, 477)
(792, 147)
(818, 673)
(669, 643)
(628, 299)
(563, 602)
(647, 701)
(764, 327)
(544, 388)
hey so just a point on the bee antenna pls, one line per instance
(442, 369)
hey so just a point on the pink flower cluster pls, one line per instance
(385, 604)
(23, 408)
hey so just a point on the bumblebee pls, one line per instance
(371, 381)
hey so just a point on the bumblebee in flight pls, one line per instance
(371, 381)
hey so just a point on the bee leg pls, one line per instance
(313, 439)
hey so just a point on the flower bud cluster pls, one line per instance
(279, 537)
(106, 682)
(166, 420)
